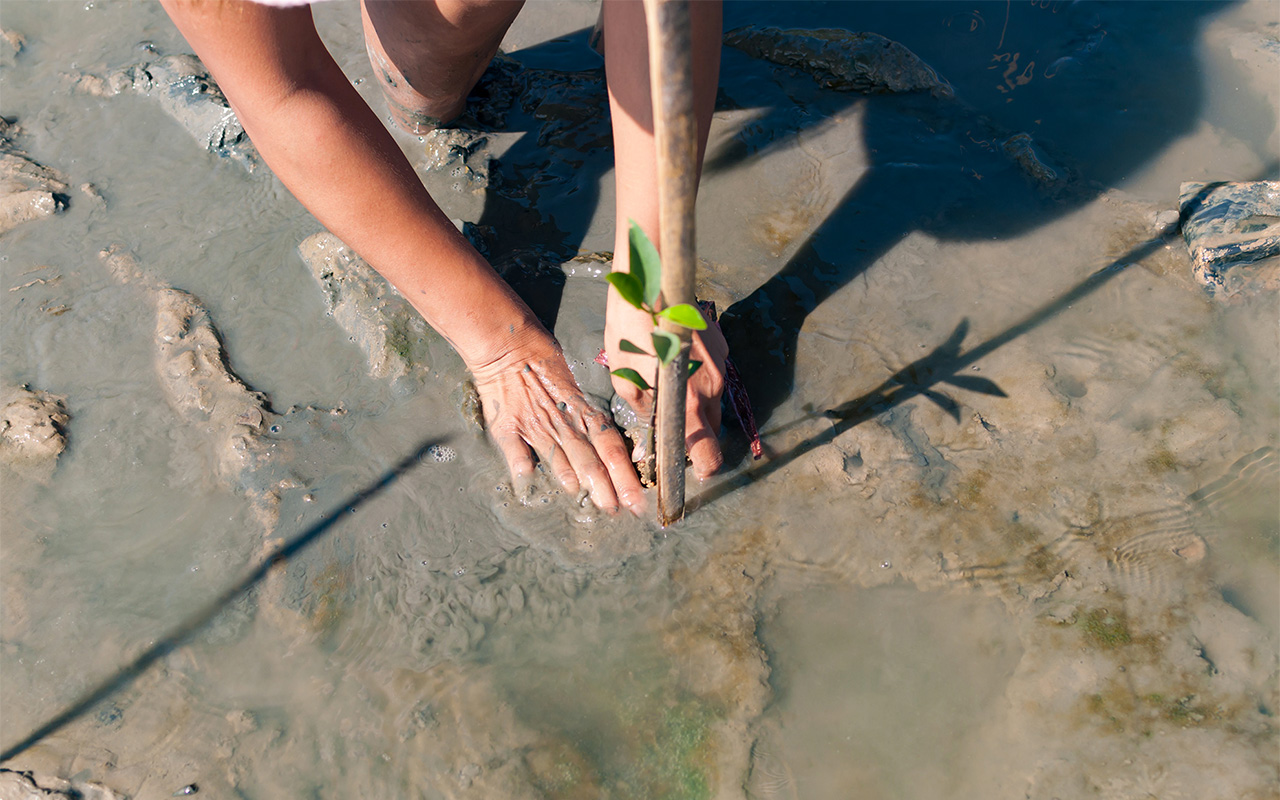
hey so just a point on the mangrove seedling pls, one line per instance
(641, 288)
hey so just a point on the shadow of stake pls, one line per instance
(942, 365)
(184, 632)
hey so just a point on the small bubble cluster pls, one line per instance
(442, 454)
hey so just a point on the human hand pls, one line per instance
(532, 405)
(702, 400)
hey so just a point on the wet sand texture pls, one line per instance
(1015, 536)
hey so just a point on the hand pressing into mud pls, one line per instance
(533, 406)
(702, 401)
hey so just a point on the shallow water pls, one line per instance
(1035, 550)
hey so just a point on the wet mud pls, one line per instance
(183, 88)
(33, 428)
(28, 191)
(392, 335)
(1014, 534)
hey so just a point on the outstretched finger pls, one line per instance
(519, 458)
(554, 457)
(611, 449)
(702, 428)
(591, 473)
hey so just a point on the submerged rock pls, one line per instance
(186, 92)
(1227, 225)
(391, 333)
(28, 191)
(842, 60)
(1021, 149)
(32, 431)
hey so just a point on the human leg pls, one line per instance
(427, 55)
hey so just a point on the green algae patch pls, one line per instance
(1161, 461)
(674, 756)
(1105, 629)
(331, 588)
(969, 491)
(630, 729)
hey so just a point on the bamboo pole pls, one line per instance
(675, 131)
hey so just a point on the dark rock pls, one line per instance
(1230, 225)
(842, 60)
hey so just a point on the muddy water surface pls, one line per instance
(1015, 534)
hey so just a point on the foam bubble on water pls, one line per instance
(441, 454)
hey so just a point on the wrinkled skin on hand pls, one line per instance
(702, 401)
(533, 406)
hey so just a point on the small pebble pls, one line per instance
(190, 788)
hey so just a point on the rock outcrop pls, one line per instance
(842, 60)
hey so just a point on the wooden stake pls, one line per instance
(675, 132)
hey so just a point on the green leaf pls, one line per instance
(633, 376)
(693, 366)
(645, 264)
(628, 287)
(666, 345)
(626, 346)
(684, 314)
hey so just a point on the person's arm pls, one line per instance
(631, 106)
(327, 146)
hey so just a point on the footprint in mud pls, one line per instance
(253, 450)
(200, 387)
(842, 60)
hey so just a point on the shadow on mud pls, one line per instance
(1101, 90)
(1054, 104)
(194, 624)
